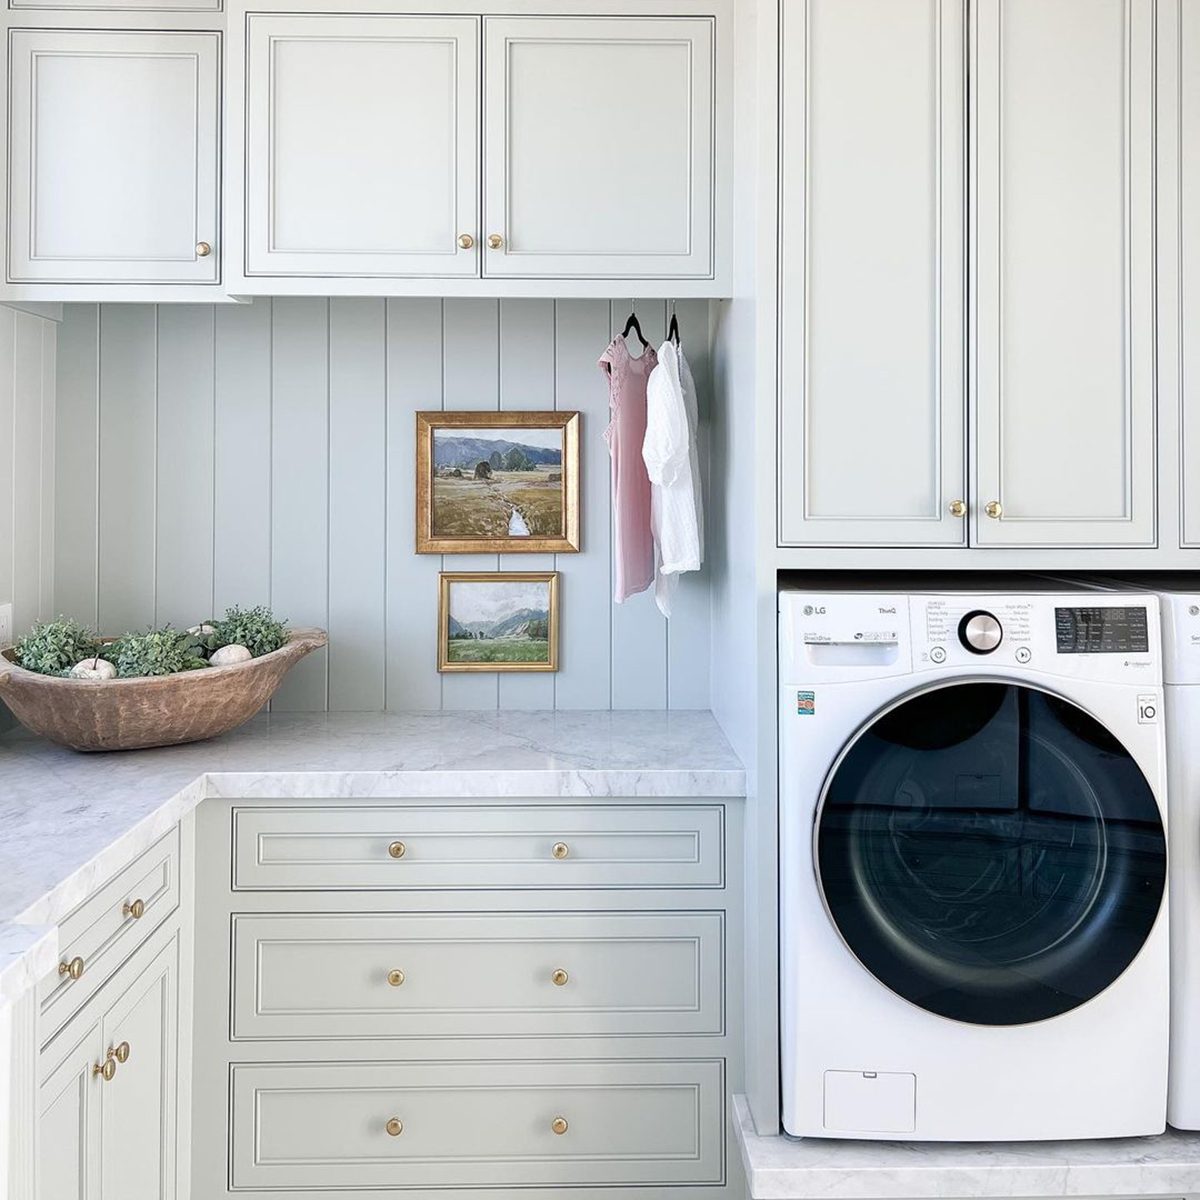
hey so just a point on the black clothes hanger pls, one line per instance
(632, 323)
(673, 330)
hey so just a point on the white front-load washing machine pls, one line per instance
(973, 865)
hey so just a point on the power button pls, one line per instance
(937, 654)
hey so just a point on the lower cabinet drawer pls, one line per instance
(424, 975)
(493, 1124)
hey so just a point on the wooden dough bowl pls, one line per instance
(157, 710)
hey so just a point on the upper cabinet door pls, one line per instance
(1064, 281)
(598, 147)
(872, 406)
(112, 157)
(1187, 145)
(362, 145)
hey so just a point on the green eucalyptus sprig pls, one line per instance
(156, 652)
(54, 647)
(255, 628)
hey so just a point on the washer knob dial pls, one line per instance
(980, 632)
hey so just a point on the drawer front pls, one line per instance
(313, 1125)
(495, 846)
(103, 931)
(477, 975)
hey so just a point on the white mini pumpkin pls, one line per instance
(228, 655)
(93, 668)
(201, 630)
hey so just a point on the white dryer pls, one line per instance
(973, 865)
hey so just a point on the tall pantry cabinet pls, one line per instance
(967, 341)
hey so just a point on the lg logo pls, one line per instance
(814, 610)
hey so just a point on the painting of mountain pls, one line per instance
(465, 449)
(498, 622)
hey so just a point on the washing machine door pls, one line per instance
(990, 852)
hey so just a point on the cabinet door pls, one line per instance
(872, 404)
(112, 157)
(138, 1105)
(1189, 265)
(68, 1124)
(1064, 289)
(598, 147)
(362, 152)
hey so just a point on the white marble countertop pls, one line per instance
(782, 1167)
(71, 821)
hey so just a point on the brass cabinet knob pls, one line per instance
(397, 849)
(495, 241)
(466, 241)
(958, 508)
(559, 1125)
(121, 1053)
(559, 977)
(74, 968)
(560, 850)
(106, 1070)
(203, 249)
(135, 909)
(994, 509)
(395, 978)
(395, 1127)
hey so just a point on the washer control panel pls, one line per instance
(980, 632)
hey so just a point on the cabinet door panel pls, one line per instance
(1189, 264)
(1064, 242)
(599, 146)
(362, 145)
(872, 404)
(113, 149)
(68, 1131)
(138, 1105)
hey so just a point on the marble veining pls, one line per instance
(72, 821)
(781, 1167)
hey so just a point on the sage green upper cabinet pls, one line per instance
(1064, 272)
(112, 154)
(598, 147)
(362, 145)
(872, 406)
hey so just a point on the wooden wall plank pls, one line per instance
(76, 463)
(414, 384)
(25, 453)
(127, 466)
(357, 503)
(8, 451)
(242, 467)
(183, 567)
(48, 416)
(471, 381)
(639, 630)
(300, 486)
(527, 383)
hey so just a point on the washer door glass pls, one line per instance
(991, 853)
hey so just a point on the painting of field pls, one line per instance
(498, 622)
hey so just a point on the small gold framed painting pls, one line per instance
(498, 621)
(497, 482)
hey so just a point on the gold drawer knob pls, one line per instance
(561, 850)
(958, 508)
(395, 978)
(495, 241)
(466, 241)
(74, 968)
(135, 909)
(106, 1070)
(559, 977)
(994, 509)
(395, 1127)
(203, 249)
(559, 1125)
(397, 849)
(121, 1053)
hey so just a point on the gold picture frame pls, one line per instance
(494, 633)
(513, 500)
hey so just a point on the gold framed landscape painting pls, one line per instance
(498, 621)
(497, 482)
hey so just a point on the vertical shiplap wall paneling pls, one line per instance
(527, 382)
(8, 408)
(584, 680)
(183, 560)
(300, 485)
(357, 500)
(471, 350)
(414, 384)
(76, 463)
(49, 332)
(690, 626)
(242, 452)
(127, 538)
(25, 453)
(639, 630)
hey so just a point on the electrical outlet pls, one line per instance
(5, 624)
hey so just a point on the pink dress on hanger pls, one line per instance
(633, 541)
